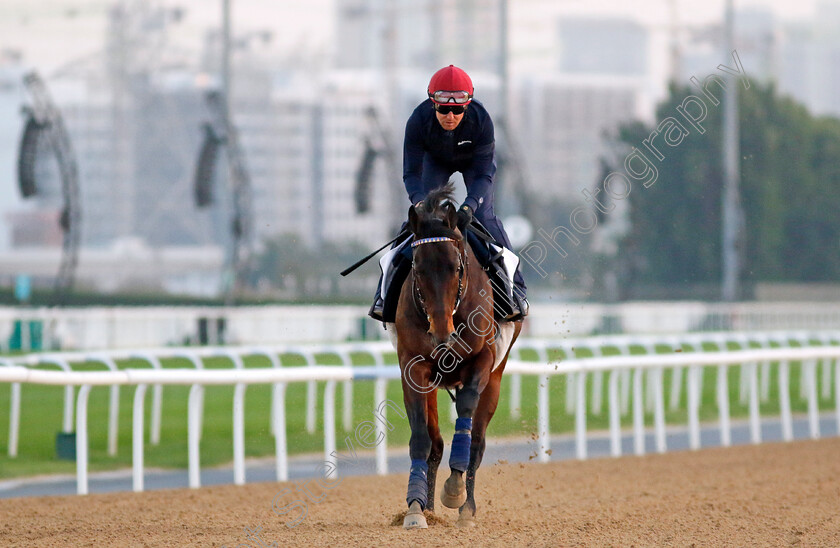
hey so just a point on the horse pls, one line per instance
(445, 338)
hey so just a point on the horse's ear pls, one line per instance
(450, 217)
(413, 219)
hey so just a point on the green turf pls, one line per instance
(41, 416)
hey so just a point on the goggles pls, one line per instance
(457, 97)
(454, 109)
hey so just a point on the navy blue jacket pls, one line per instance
(469, 148)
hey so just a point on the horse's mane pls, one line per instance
(435, 209)
(435, 199)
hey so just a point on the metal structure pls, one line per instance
(45, 121)
(512, 171)
(149, 195)
(732, 231)
(221, 132)
(364, 175)
(379, 141)
(512, 178)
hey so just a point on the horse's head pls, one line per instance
(439, 262)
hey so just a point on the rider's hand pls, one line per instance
(415, 208)
(465, 216)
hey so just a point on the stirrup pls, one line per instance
(377, 311)
(519, 312)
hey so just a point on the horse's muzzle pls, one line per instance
(447, 341)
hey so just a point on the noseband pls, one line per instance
(462, 262)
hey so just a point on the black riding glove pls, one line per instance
(465, 216)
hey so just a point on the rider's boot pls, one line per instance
(519, 303)
(377, 310)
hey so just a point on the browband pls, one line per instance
(432, 240)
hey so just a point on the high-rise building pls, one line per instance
(758, 40)
(569, 116)
(602, 45)
(342, 124)
(136, 158)
(567, 124)
(802, 58)
(278, 142)
(809, 64)
(417, 35)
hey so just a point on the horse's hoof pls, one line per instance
(415, 519)
(454, 492)
(465, 521)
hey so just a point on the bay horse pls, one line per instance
(446, 337)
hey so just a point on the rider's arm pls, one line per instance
(413, 158)
(479, 176)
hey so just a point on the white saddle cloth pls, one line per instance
(509, 259)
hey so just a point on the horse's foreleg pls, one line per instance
(454, 491)
(484, 412)
(436, 453)
(419, 448)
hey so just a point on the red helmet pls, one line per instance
(450, 85)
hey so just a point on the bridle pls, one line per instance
(419, 302)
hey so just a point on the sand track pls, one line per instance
(768, 495)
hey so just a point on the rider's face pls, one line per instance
(450, 120)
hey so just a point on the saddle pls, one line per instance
(499, 262)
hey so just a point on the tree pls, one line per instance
(790, 193)
(290, 268)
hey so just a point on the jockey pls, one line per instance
(448, 132)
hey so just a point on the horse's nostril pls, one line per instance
(447, 342)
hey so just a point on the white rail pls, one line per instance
(626, 344)
(578, 369)
(623, 344)
(128, 327)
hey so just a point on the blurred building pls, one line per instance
(36, 228)
(11, 94)
(303, 159)
(302, 143)
(278, 139)
(802, 58)
(759, 39)
(571, 120)
(810, 61)
(135, 117)
(135, 157)
(422, 35)
(341, 125)
(570, 116)
(603, 45)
